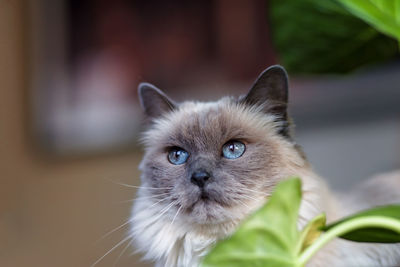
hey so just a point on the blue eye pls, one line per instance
(177, 156)
(233, 149)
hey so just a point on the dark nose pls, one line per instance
(200, 178)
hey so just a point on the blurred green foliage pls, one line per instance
(321, 36)
(383, 15)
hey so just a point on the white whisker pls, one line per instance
(146, 197)
(115, 229)
(112, 249)
(244, 204)
(176, 215)
(255, 191)
(249, 197)
(135, 186)
(154, 204)
(167, 208)
(122, 252)
(128, 221)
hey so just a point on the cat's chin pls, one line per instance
(207, 211)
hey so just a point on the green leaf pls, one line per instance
(384, 15)
(311, 232)
(314, 36)
(270, 237)
(267, 238)
(372, 234)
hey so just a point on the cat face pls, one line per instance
(208, 162)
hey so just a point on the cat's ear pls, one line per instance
(153, 101)
(270, 91)
(270, 87)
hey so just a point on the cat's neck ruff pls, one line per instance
(172, 241)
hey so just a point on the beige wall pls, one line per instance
(52, 211)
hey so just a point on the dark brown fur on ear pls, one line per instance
(270, 91)
(153, 101)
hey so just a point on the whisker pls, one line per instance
(173, 220)
(122, 252)
(112, 249)
(146, 197)
(176, 215)
(130, 220)
(156, 188)
(241, 202)
(115, 229)
(154, 204)
(249, 197)
(255, 191)
(135, 186)
(166, 209)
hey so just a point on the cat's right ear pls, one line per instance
(153, 101)
(270, 92)
(271, 86)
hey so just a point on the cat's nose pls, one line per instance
(200, 178)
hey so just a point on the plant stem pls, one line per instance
(345, 227)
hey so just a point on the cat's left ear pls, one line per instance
(153, 101)
(270, 91)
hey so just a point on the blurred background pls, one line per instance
(70, 118)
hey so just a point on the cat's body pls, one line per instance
(209, 165)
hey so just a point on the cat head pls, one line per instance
(210, 162)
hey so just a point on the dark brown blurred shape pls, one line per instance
(167, 40)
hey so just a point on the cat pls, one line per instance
(207, 166)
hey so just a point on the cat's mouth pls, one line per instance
(205, 203)
(202, 199)
(204, 196)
